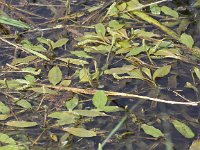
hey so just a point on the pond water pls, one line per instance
(43, 15)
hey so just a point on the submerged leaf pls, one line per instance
(72, 103)
(55, 75)
(197, 72)
(150, 130)
(4, 109)
(100, 29)
(21, 124)
(4, 138)
(89, 113)
(195, 145)
(161, 72)
(99, 99)
(168, 11)
(80, 132)
(187, 40)
(183, 129)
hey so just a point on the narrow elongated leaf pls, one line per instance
(99, 99)
(168, 11)
(80, 132)
(161, 72)
(150, 130)
(74, 61)
(11, 147)
(183, 129)
(13, 22)
(89, 113)
(4, 138)
(43, 90)
(55, 75)
(21, 124)
(197, 72)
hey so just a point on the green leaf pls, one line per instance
(89, 113)
(81, 54)
(187, 40)
(74, 61)
(66, 120)
(4, 117)
(133, 4)
(24, 60)
(150, 130)
(80, 132)
(55, 75)
(120, 70)
(31, 70)
(60, 43)
(61, 114)
(195, 145)
(183, 129)
(4, 109)
(84, 75)
(99, 99)
(114, 24)
(72, 103)
(13, 22)
(4, 138)
(11, 147)
(155, 9)
(161, 72)
(24, 103)
(21, 124)
(100, 29)
(197, 72)
(168, 11)
(110, 109)
(147, 71)
(137, 74)
(43, 90)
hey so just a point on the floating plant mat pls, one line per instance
(112, 74)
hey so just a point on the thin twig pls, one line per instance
(126, 95)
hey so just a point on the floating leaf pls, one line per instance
(168, 11)
(21, 124)
(89, 113)
(99, 99)
(55, 75)
(80, 132)
(137, 74)
(4, 138)
(183, 129)
(4, 109)
(161, 72)
(66, 82)
(133, 4)
(187, 40)
(100, 29)
(24, 103)
(60, 43)
(150, 130)
(72, 103)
